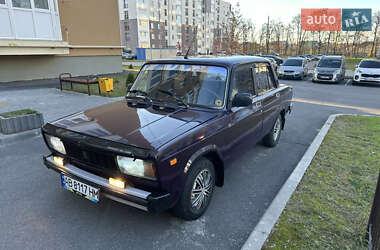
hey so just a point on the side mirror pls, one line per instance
(242, 100)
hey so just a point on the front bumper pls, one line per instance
(360, 79)
(131, 196)
(320, 79)
(290, 76)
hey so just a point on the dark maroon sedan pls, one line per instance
(168, 143)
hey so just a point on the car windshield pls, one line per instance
(330, 63)
(192, 84)
(293, 62)
(370, 64)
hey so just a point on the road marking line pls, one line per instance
(331, 104)
(3, 104)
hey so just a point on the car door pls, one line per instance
(244, 122)
(268, 96)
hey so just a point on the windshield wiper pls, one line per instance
(137, 91)
(140, 94)
(179, 100)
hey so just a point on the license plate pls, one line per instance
(80, 188)
(324, 77)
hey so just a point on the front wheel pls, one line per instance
(272, 138)
(198, 190)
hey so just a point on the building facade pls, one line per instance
(173, 23)
(39, 39)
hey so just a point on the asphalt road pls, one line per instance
(36, 213)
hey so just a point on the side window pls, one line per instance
(242, 81)
(264, 80)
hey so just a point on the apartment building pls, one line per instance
(39, 39)
(174, 23)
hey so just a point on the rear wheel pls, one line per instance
(272, 138)
(198, 190)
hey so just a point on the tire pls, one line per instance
(272, 138)
(184, 207)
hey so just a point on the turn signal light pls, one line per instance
(116, 183)
(59, 161)
(173, 162)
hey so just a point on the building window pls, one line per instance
(153, 36)
(143, 23)
(21, 4)
(2, 1)
(186, 12)
(166, 12)
(125, 4)
(126, 15)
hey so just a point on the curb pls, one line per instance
(13, 138)
(264, 227)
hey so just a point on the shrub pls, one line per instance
(130, 66)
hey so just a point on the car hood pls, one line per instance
(371, 71)
(326, 70)
(292, 68)
(141, 127)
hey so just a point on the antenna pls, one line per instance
(187, 52)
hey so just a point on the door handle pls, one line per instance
(278, 95)
(258, 104)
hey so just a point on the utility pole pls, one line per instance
(267, 39)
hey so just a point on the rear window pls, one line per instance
(330, 63)
(293, 62)
(370, 64)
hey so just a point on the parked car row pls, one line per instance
(328, 69)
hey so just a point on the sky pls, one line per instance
(284, 10)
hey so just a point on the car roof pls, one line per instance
(228, 61)
(332, 57)
(296, 58)
(370, 60)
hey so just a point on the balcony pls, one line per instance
(33, 47)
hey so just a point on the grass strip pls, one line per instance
(20, 112)
(331, 205)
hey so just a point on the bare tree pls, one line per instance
(299, 32)
(376, 23)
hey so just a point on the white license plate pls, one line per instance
(80, 188)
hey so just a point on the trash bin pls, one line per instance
(105, 84)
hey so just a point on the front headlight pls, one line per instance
(136, 167)
(337, 72)
(56, 144)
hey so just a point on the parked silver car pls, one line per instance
(293, 67)
(368, 71)
(330, 69)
